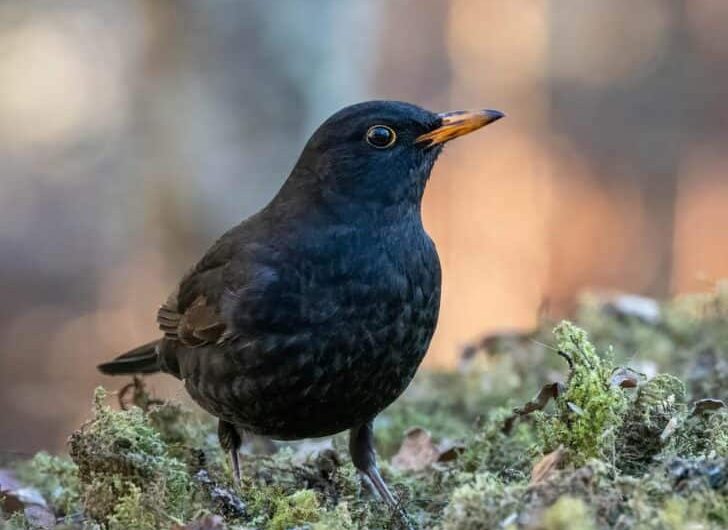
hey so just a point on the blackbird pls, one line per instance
(312, 316)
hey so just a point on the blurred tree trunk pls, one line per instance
(631, 125)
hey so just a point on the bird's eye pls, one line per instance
(381, 136)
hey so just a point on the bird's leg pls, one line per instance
(361, 447)
(230, 441)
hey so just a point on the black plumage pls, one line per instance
(312, 316)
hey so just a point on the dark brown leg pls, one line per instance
(361, 447)
(230, 441)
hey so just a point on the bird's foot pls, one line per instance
(230, 441)
(374, 479)
(361, 447)
(235, 464)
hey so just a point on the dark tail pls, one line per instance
(141, 360)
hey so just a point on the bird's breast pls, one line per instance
(344, 338)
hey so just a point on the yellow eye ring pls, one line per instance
(381, 136)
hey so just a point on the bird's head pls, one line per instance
(379, 153)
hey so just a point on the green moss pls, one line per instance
(590, 409)
(701, 435)
(629, 336)
(294, 510)
(340, 518)
(680, 493)
(179, 427)
(708, 375)
(56, 478)
(686, 326)
(568, 513)
(707, 511)
(658, 401)
(132, 510)
(120, 457)
(491, 449)
(483, 502)
(273, 509)
(675, 514)
(15, 521)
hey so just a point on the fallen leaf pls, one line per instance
(547, 393)
(546, 465)
(416, 452)
(449, 451)
(625, 378)
(8, 483)
(704, 405)
(15, 497)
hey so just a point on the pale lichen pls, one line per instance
(659, 401)
(701, 435)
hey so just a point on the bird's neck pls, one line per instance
(304, 200)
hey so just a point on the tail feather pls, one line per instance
(140, 360)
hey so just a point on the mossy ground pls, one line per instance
(602, 446)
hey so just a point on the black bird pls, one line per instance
(312, 316)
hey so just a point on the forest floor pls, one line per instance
(617, 420)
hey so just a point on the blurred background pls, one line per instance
(133, 133)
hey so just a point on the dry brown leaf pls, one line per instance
(14, 497)
(543, 468)
(547, 393)
(449, 450)
(625, 378)
(704, 405)
(416, 452)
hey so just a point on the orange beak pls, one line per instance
(458, 123)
